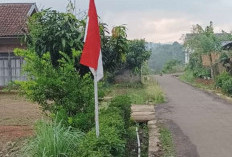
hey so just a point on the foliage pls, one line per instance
(148, 92)
(227, 86)
(53, 139)
(195, 65)
(124, 104)
(224, 81)
(51, 31)
(203, 41)
(137, 55)
(172, 66)
(114, 125)
(220, 79)
(226, 61)
(166, 142)
(59, 90)
(188, 76)
(114, 48)
(162, 53)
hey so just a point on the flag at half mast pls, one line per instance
(91, 55)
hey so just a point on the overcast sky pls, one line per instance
(161, 21)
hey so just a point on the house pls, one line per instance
(13, 18)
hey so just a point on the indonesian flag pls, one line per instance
(91, 55)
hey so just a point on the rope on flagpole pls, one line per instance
(96, 104)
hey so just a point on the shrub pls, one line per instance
(124, 104)
(110, 142)
(227, 86)
(114, 131)
(188, 76)
(221, 79)
(59, 89)
(53, 139)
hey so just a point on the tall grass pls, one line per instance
(154, 92)
(52, 140)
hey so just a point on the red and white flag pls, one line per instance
(91, 55)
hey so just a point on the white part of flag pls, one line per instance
(99, 71)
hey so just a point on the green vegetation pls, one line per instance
(224, 81)
(61, 91)
(163, 53)
(137, 55)
(166, 142)
(53, 139)
(173, 66)
(51, 31)
(64, 88)
(144, 139)
(148, 92)
(203, 41)
(188, 76)
(114, 129)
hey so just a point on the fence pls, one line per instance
(10, 69)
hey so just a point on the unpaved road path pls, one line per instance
(201, 123)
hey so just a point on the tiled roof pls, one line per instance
(13, 18)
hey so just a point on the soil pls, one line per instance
(17, 117)
(205, 81)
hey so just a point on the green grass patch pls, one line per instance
(148, 92)
(166, 142)
(53, 139)
(189, 78)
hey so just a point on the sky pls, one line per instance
(159, 21)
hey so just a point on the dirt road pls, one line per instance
(201, 123)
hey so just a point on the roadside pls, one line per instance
(207, 85)
(148, 93)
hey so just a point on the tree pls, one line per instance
(137, 55)
(51, 31)
(162, 53)
(202, 41)
(114, 48)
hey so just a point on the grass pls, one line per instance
(148, 92)
(166, 142)
(52, 139)
(189, 78)
(144, 139)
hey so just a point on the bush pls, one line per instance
(114, 131)
(227, 86)
(53, 139)
(221, 79)
(110, 142)
(188, 76)
(124, 104)
(59, 89)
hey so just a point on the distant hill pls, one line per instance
(162, 53)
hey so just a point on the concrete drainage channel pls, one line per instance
(146, 114)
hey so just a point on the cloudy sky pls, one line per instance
(161, 21)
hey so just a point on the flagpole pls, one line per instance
(96, 104)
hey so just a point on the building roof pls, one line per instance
(13, 18)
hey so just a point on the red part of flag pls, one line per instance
(92, 46)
